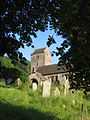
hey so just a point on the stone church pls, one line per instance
(44, 73)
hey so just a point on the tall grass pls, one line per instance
(24, 102)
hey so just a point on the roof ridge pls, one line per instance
(38, 50)
(52, 69)
(48, 65)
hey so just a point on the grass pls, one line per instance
(24, 104)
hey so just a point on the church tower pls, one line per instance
(40, 57)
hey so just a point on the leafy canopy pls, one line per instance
(69, 18)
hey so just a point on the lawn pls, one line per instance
(24, 104)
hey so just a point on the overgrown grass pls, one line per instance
(24, 104)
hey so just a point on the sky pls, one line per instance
(40, 42)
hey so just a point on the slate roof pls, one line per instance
(52, 69)
(37, 51)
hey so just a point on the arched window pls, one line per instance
(56, 78)
(52, 78)
(57, 81)
(33, 70)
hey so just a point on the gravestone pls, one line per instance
(34, 86)
(18, 82)
(56, 92)
(66, 86)
(46, 88)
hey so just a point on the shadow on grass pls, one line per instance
(10, 112)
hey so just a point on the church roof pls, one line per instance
(52, 69)
(37, 51)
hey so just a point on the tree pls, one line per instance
(69, 18)
(74, 26)
(22, 18)
(8, 70)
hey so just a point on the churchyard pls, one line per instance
(25, 104)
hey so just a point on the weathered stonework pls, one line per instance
(44, 74)
(39, 58)
(46, 88)
(56, 91)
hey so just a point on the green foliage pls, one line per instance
(10, 70)
(68, 18)
(6, 62)
(23, 75)
(24, 70)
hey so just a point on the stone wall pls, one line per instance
(60, 82)
(40, 59)
(58, 77)
(46, 82)
(37, 61)
(46, 89)
(47, 56)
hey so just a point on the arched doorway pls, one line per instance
(34, 84)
